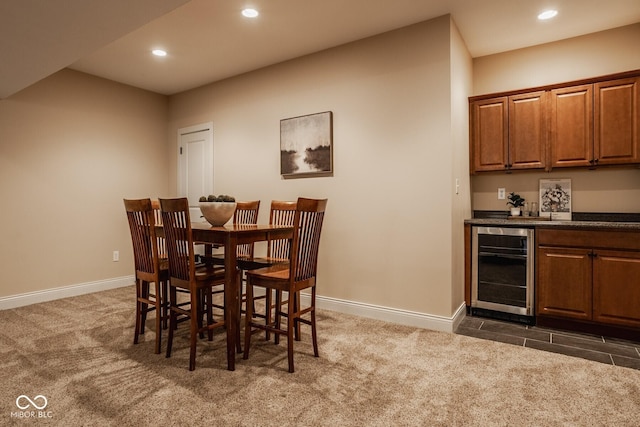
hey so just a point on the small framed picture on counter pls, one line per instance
(555, 199)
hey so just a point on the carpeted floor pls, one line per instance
(78, 354)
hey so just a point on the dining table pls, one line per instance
(229, 237)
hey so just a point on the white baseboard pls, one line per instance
(387, 314)
(393, 315)
(20, 300)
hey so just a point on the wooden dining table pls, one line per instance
(229, 237)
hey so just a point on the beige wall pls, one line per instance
(71, 147)
(592, 55)
(388, 233)
(461, 86)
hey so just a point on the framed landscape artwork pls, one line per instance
(306, 145)
(555, 199)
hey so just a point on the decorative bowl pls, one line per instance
(217, 213)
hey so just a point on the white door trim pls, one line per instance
(208, 179)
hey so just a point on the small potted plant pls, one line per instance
(516, 203)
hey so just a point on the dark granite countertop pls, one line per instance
(590, 220)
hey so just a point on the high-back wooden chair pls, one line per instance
(300, 274)
(184, 274)
(246, 213)
(281, 213)
(162, 255)
(150, 268)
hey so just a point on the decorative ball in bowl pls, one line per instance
(217, 213)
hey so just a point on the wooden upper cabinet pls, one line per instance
(617, 122)
(588, 123)
(509, 133)
(489, 134)
(528, 131)
(572, 126)
(596, 124)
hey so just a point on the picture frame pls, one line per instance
(555, 199)
(306, 145)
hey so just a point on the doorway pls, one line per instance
(195, 164)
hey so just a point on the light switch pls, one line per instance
(501, 194)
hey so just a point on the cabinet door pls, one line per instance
(572, 126)
(489, 135)
(616, 288)
(616, 122)
(563, 285)
(527, 131)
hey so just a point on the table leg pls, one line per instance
(231, 302)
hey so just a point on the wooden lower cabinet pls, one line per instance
(564, 283)
(616, 287)
(579, 277)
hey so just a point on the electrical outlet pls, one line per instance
(501, 194)
(116, 255)
(457, 186)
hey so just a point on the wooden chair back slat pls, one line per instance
(282, 213)
(246, 213)
(157, 214)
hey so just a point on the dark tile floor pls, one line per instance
(612, 351)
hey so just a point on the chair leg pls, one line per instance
(238, 344)
(296, 322)
(200, 313)
(159, 309)
(278, 316)
(314, 336)
(194, 321)
(290, 332)
(165, 303)
(138, 311)
(144, 292)
(172, 318)
(247, 320)
(267, 308)
(209, 305)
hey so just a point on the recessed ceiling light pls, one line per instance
(547, 14)
(250, 13)
(159, 52)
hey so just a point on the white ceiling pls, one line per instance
(208, 40)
